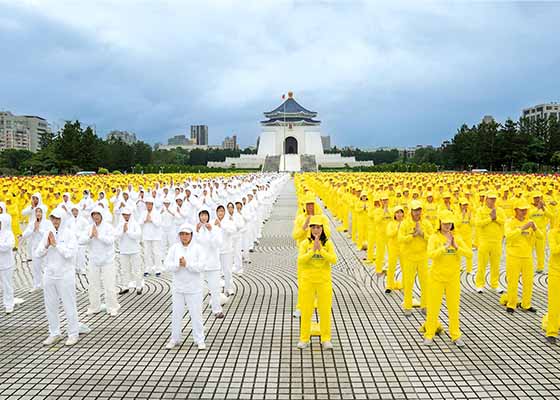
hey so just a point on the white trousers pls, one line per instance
(131, 270)
(168, 238)
(194, 303)
(226, 260)
(108, 274)
(37, 272)
(7, 279)
(237, 254)
(56, 291)
(152, 256)
(81, 259)
(213, 280)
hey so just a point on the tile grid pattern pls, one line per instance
(251, 354)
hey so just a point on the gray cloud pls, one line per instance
(395, 73)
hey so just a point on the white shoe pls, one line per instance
(33, 290)
(297, 313)
(302, 345)
(170, 345)
(83, 329)
(113, 313)
(71, 341)
(9, 310)
(428, 342)
(327, 345)
(230, 292)
(91, 312)
(459, 342)
(479, 289)
(201, 346)
(499, 290)
(51, 340)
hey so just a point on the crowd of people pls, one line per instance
(429, 226)
(119, 230)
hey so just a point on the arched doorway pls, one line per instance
(290, 145)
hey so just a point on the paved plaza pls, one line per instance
(251, 353)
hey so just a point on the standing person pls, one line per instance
(151, 238)
(521, 235)
(490, 223)
(239, 223)
(552, 319)
(33, 234)
(209, 238)
(227, 225)
(445, 250)
(315, 258)
(464, 229)
(184, 261)
(382, 218)
(100, 239)
(540, 214)
(168, 234)
(57, 249)
(129, 233)
(413, 238)
(78, 224)
(394, 248)
(7, 262)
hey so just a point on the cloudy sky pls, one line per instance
(379, 73)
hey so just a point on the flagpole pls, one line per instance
(284, 137)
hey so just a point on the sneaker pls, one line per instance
(510, 310)
(91, 312)
(297, 313)
(219, 315)
(201, 346)
(230, 292)
(170, 345)
(139, 291)
(499, 290)
(123, 291)
(83, 329)
(302, 345)
(479, 289)
(428, 342)
(113, 313)
(51, 340)
(158, 274)
(71, 341)
(539, 271)
(33, 290)
(407, 313)
(9, 310)
(551, 340)
(327, 345)
(146, 274)
(387, 291)
(459, 343)
(423, 311)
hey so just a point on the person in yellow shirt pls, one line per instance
(540, 214)
(372, 230)
(430, 208)
(362, 220)
(382, 218)
(394, 248)
(552, 318)
(445, 250)
(521, 234)
(490, 223)
(413, 239)
(316, 256)
(464, 229)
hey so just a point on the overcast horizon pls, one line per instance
(379, 74)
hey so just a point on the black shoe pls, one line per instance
(123, 291)
(146, 274)
(139, 291)
(510, 310)
(530, 309)
(387, 291)
(158, 274)
(551, 340)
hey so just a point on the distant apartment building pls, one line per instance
(180, 140)
(546, 110)
(326, 141)
(21, 132)
(125, 136)
(199, 133)
(230, 143)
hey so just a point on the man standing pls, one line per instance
(150, 220)
(129, 234)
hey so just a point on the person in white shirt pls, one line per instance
(7, 262)
(57, 249)
(150, 220)
(129, 233)
(227, 225)
(33, 234)
(77, 224)
(169, 234)
(209, 238)
(100, 239)
(240, 254)
(184, 261)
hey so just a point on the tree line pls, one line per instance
(75, 148)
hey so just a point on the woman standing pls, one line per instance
(209, 238)
(446, 251)
(38, 224)
(394, 248)
(316, 255)
(228, 228)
